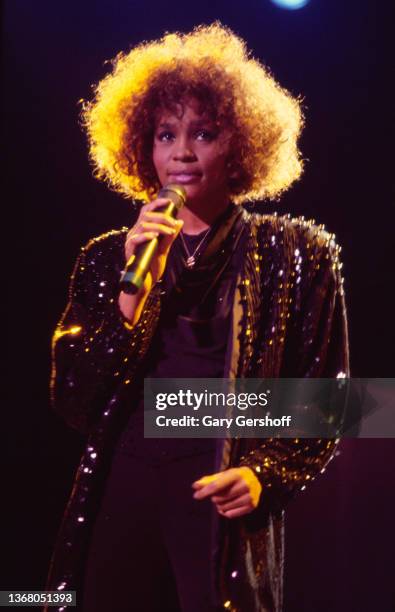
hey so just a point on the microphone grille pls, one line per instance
(174, 192)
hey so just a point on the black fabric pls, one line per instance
(193, 328)
(150, 531)
(190, 341)
(190, 291)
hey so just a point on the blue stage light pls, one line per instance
(290, 4)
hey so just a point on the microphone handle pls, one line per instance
(136, 269)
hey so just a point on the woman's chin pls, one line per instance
(195, 195)
(201, 198)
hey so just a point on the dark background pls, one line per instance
(340, 536)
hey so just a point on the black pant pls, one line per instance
(151, 544)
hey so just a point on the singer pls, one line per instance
(190, 525)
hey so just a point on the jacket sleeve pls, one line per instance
(316, 346)
(93, 346)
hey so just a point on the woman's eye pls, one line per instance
(207, 135)
(165, 136)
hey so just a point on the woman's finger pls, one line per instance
(142, 237)
(230, 514)
(168, 239)
(157, 203)
(149, 230)
(159, 217)
(237, 489)
(216, 483)
(157, 227)
(143, 227)
(243, 500)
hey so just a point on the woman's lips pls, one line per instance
(184, 177)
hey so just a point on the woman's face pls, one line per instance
(190, 150)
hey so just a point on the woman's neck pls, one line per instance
(197, 220)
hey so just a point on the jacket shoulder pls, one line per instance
(301, 232)
(105, 243)
(99, 263)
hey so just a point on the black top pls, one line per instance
(193, 330)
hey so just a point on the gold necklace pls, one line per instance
(191, 257)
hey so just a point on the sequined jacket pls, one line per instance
(289, 320)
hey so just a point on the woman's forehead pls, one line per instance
(189, 110)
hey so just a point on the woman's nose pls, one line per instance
(183, 151)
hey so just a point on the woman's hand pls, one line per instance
(151, 223)
(235, 491)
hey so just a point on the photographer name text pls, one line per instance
(211, 421)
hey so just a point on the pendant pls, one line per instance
(191, 261)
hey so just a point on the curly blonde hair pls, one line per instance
(212, 65)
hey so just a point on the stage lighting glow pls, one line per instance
(290, 4)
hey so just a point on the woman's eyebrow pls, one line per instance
(203, 121)
(193, 124)
(165, 125)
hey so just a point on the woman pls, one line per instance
(229, 294)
